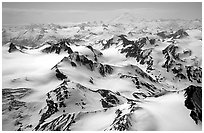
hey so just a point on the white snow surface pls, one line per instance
(32, 69)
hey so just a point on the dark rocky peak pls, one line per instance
(91, 48)
(16, 47)
(193, 102)
(115, 40)
(54, 102)
(125, 40)
(59, 98)
(91, 65)
(146, 40)
(75, 59)
(96, 53)
(60, 75)
(141, 55)
(177, 35)
(110, 99)
(171, 56)
(180, 34)
(62, 45)
(12, 48)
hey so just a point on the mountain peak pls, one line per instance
(124, 18)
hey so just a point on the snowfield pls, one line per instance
(126, 75)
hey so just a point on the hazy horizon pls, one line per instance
(70, 12)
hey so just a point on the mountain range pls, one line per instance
(128, 74)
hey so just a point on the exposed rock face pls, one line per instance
(176, 65)
(11, 101)
(59, 99)
(193, 102)
(66, 121)
(12, 48)
(60, 75)
(123, 119)
(16, 110)
(135, 49)
(194, 73)
(62, 45)
(162, 34)
(96, 53)
(107, 44)
(115, 40)
(75, 59)
(177, 35)
(146, 89)
(171, 56)
(109, 98)
(62, 123)
(121, 123)
(10, 94)
(104, 69)
(137, 71)
(11, 98)
(152, 41)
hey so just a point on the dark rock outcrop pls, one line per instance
(11, 98)
(58, 98)
(141, 85)
(171, 56)
(60, 75)
(123, 120)
(62, 45)
(134, 49)
(177, 35)
(174, 64)
(61, 123)
(121, 123)
(94, 52)
(12, 48)
(193, 102)
(109, 99)
(75, 59)
(194, 73)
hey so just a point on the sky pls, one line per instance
(70, 12)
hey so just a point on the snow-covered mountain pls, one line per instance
(129, 74)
